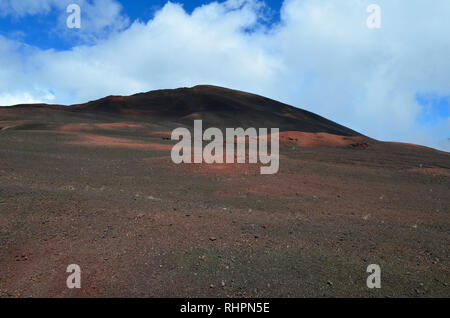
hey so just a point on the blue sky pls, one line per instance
(435, 107)
(390, 83)
(34, 29)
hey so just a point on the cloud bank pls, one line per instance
(320, 56)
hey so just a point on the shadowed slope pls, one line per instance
(216, 106)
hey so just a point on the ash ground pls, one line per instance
(104, 194)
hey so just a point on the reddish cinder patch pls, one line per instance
(298, 138)
(102, 141)
(120, 126)
(160, 133)
(76, 127)
(307, 139)
(107, 126)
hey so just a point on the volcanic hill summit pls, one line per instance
(216, 106)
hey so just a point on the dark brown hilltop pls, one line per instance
(94, 185)
(216, 106)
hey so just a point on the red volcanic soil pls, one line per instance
(106, 126)
(308, 139)
(166, 134)
(94, 185)
(102, 141)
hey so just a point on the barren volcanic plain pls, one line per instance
(94, 185)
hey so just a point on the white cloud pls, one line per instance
(99, 17)
(25, 7)
(321, 56)
(7, 99)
